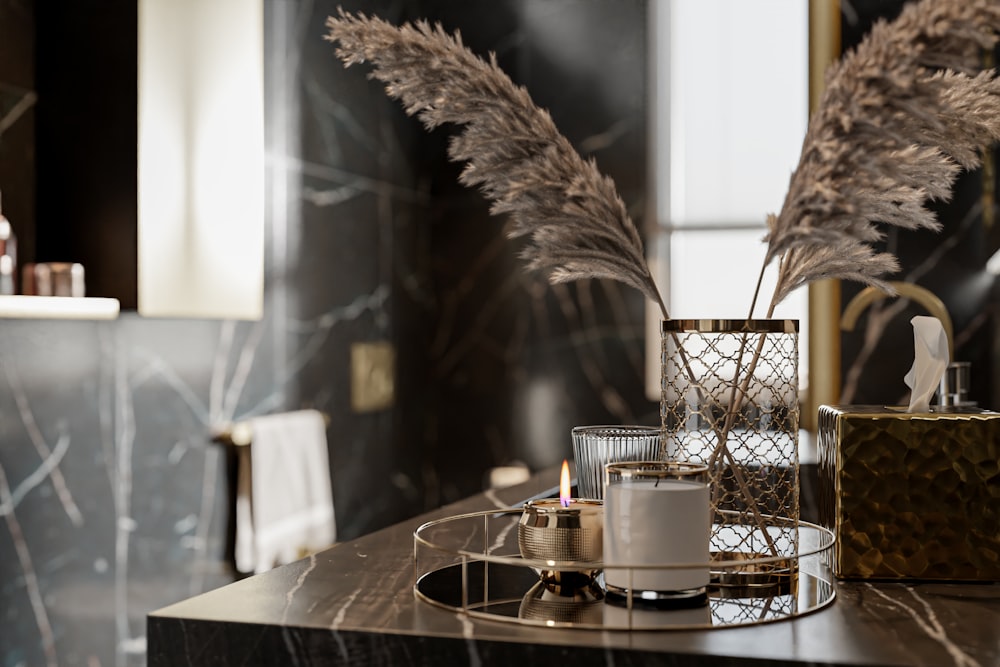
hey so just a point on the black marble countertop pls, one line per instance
(354, 604)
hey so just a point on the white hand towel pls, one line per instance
(284, 502)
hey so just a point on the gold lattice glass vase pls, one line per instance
(729, 399)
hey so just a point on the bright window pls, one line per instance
(729, 109)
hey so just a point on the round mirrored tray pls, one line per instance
(471, 564)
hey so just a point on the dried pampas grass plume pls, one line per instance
(900, 117)
(577, 224)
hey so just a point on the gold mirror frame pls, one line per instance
(824, 296)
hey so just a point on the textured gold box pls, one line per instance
(911, 496)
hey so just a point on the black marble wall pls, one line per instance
(950, 263)
(114, 499)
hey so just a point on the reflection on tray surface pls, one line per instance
(505, 592)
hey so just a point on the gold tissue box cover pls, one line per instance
(911, 496)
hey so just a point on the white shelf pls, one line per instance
(58, 307)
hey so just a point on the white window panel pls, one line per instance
(714, 274)
(729, 109)
(201, 158)
(738, 106)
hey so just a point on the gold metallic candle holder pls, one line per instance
(545, 603)
(555, 534)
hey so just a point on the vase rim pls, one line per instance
(729, 326)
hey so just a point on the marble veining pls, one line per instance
(41, 617)
(927, 620)
(44, 470)
(501, 538)
(125, 525)
(470, 642)
(491, 495)
(49, 462)
(299, 581)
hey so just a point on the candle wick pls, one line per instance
(657, 483)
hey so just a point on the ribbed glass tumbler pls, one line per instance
(596, 446)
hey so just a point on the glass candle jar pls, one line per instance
(657, 525)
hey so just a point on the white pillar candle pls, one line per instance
(656, 522)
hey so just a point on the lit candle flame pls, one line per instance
(564, 485)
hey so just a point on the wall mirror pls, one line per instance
(149, 153)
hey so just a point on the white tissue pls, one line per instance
(930, 360)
